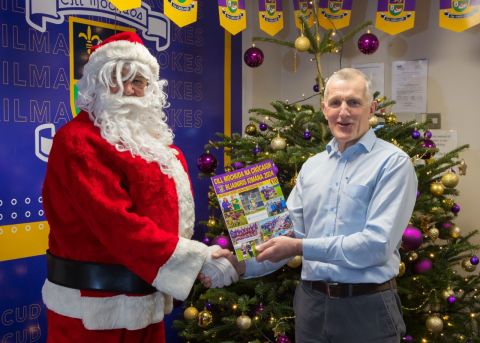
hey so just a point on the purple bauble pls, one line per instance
(407, 338)
(206, 240)
(260, 308)
(447, 225)
(256, 150)
(422, 265)
(418, 193)
(316, 88)
(412, 238)
(474, 260)
(451, 299)
(307, 135)
(416, 134)
(253, 57)
(222, 241)
(206, 163)
(427, 134)
(282, 339)
(263, 127)
(275, 170)
(428, 144)
(455, 208)
(368, 43)
(208, 305)
(237, 165)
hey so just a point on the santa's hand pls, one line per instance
(217, 272)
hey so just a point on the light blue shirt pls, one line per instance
(351, 209)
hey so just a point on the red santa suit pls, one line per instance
(107, 206)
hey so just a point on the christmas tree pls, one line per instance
(438, 290)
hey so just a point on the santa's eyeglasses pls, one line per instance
(138, 82)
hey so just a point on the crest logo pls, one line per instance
(460, 5)
(232, 5)
(271, 7)
(395, 7)
(303, 6)
(83, 35)
(335, 6)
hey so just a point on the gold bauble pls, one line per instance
(448, 292)
(278, 143)
(468, 266)
(437, 189)
(391, 119)
(433, 233)
(293, 180)
(401, 269)
(205, 318)
(455, 232)
(450, 179)
(373, 121)
(211, 195)
(244, 322)
(250, 129)
(190, 313)
(212, 222)
(434, 324)
(448, 203)
(295, 262)
(412, 256)
(227, 169)
(302, 43)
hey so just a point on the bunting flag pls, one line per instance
(303, 8)
(270, 16)
(233, 16)
(124, 5)
(181, 12)
(459, 15)
(395, 16)
(333, 14)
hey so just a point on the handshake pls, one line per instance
(220, 269)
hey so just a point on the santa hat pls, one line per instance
(121, 46)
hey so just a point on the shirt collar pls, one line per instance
(367, 141)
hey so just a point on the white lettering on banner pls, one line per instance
(41, 111)
(34, 76)
(154, 25)
(183, 117)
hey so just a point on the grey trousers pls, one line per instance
(372, 318)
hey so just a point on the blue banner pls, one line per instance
(37, 78)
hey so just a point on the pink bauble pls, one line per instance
(368, 43)
(423, 265)
(412, 238)
(222, 241)
(253, 57)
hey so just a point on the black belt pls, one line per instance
(95, 276)
(343, 290)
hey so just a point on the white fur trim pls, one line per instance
(121, 50)
(186, 206)
(176, 277)
(106, 313)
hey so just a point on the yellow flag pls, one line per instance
(395, 16)
(459, 15)
(124, 5)
(270, 16)
(303, 8)
(333, 14)
(233, 16)
(181, 12)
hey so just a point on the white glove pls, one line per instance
(219, 270)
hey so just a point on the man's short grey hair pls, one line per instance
(347, 74)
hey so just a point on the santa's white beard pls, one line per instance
(138, 125)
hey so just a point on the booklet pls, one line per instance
(253, 207)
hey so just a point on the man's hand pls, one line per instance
(238, 265)
(218, 270)
(279, 248)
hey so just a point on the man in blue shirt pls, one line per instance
(350, 206)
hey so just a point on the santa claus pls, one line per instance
(118, 201)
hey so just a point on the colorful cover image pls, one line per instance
(253, 207)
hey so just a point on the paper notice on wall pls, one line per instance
(376, 73)
(445, 141)
(409, 86)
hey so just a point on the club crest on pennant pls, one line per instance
(460, 5)
(303, 6)
(232, 5)
(83, 34)
(335, 6)
(395, 7)
(270, 7)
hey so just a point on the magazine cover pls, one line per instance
(253, 206)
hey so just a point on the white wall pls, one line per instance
(453, 78)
